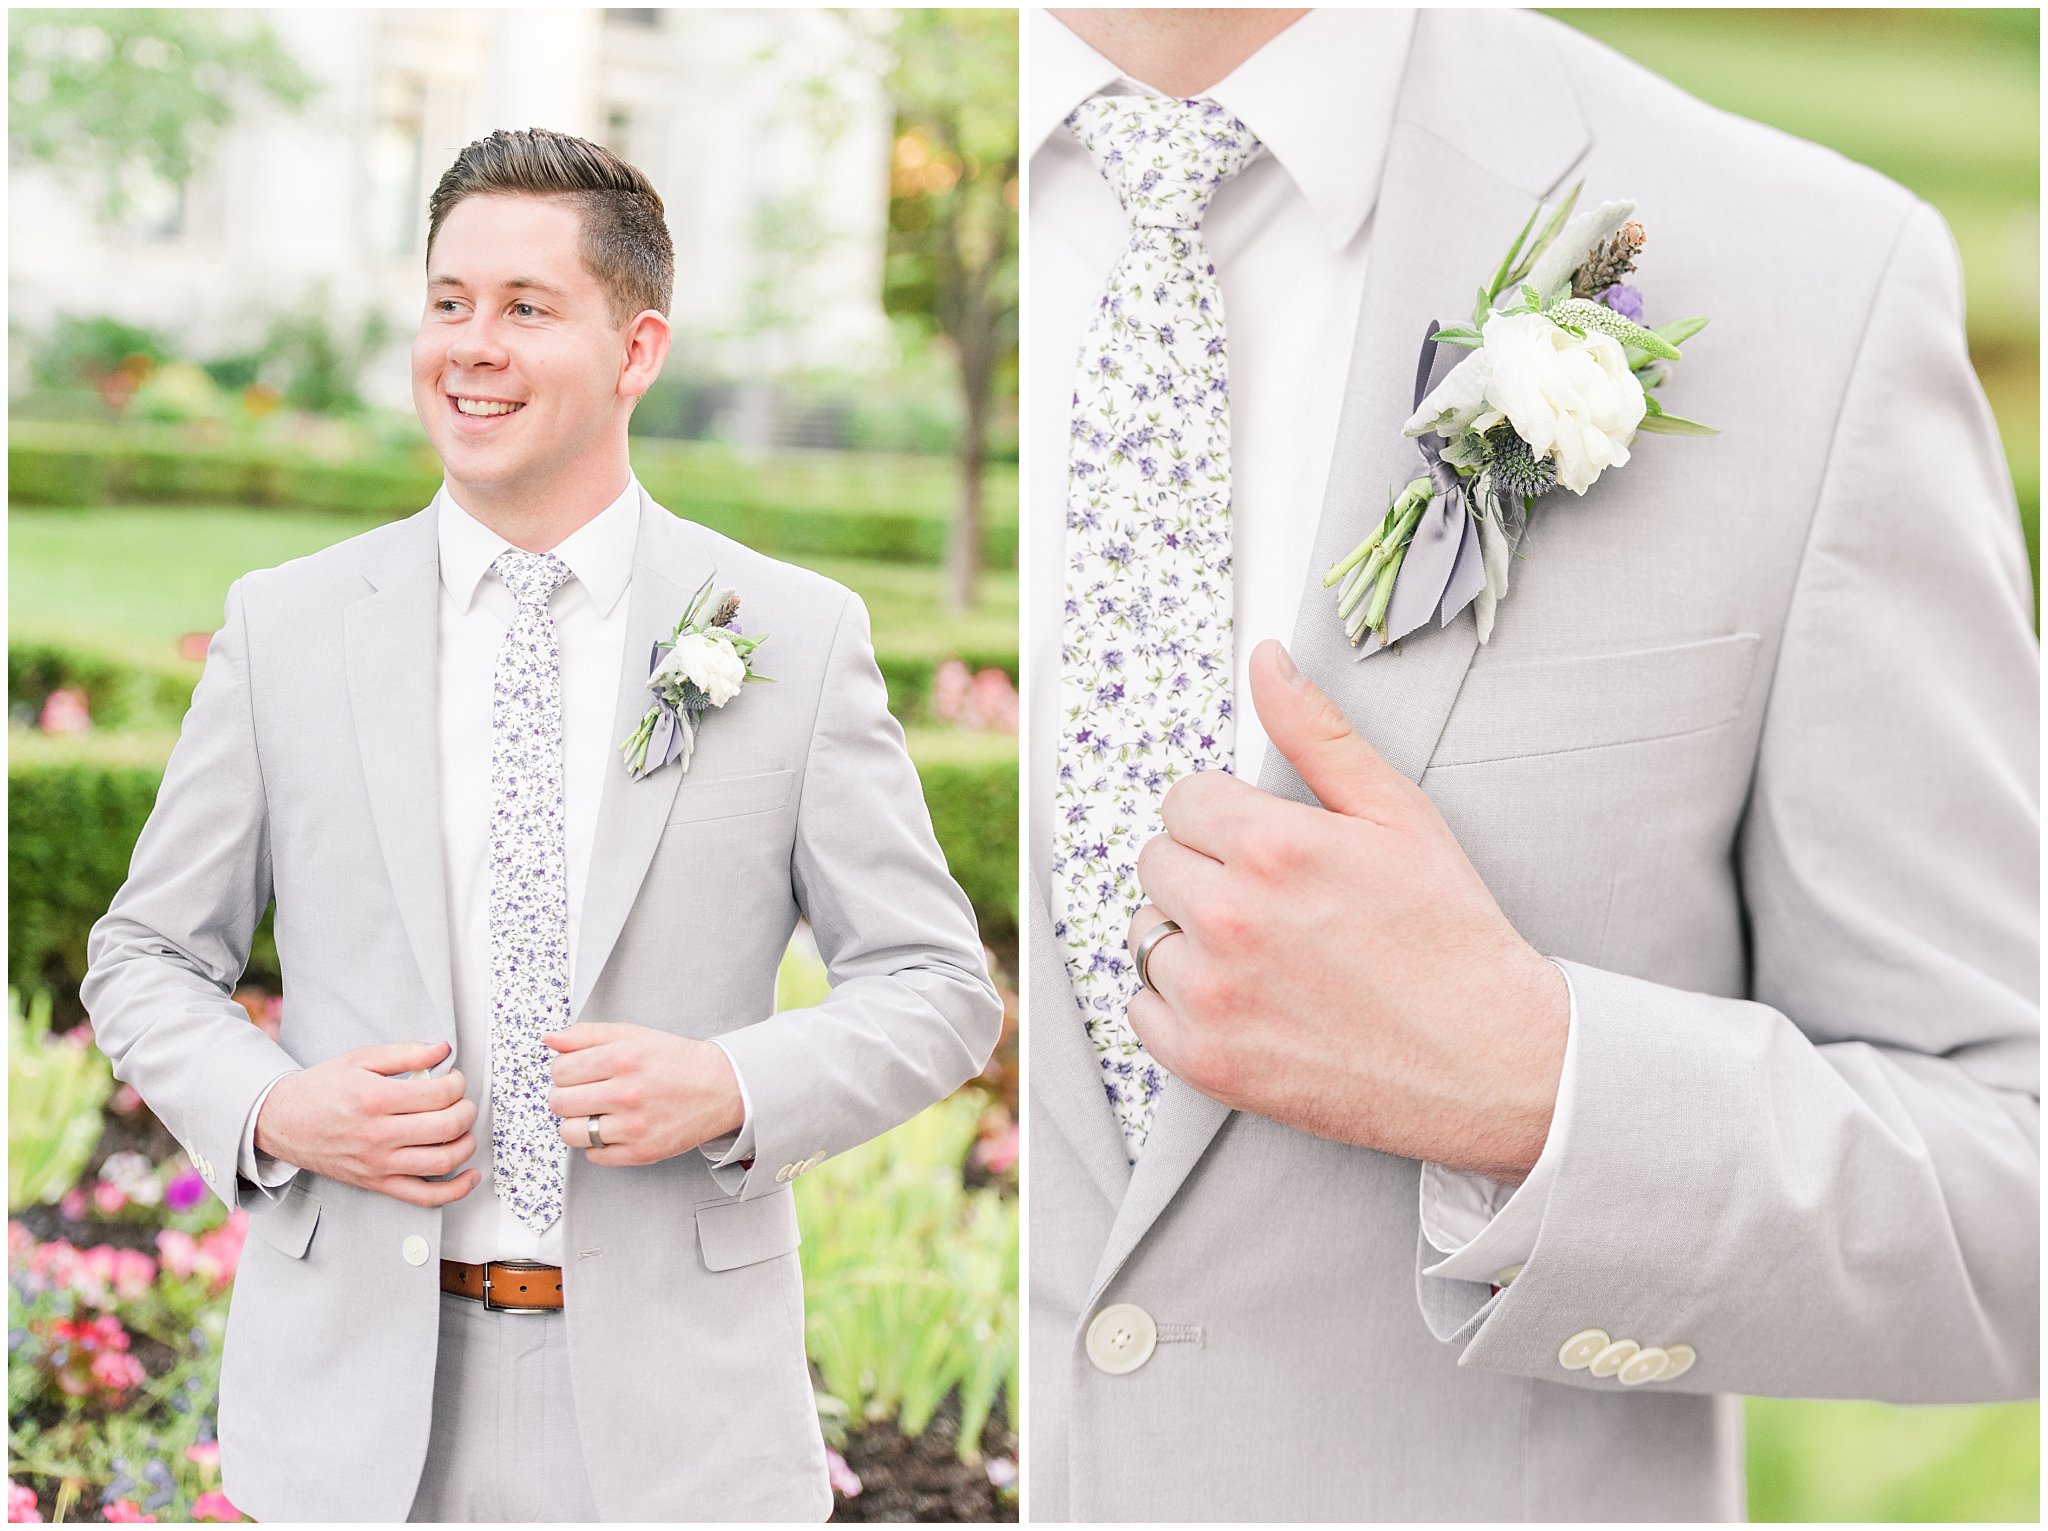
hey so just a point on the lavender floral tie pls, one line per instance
(529, 893)
(1145, 652)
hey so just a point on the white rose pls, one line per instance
(708, 661)
(1570, 397)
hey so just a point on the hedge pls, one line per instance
(124, 693)
(73, 816)
(840, 506)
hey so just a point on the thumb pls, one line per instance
(399, 1057)
(1346, 774)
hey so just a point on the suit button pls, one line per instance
(1677, 1359)
(415, 1250)
(1613, 1358)
(1577, 1352)
(782, 1175)
(1122, 1338)
(1644, 1366)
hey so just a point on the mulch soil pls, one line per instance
(919, 1478)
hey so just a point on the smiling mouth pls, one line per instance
(484, 408)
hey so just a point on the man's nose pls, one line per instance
(477, 344)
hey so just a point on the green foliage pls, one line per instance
(798, 505)
(910, 1279)
(1850, 1462)
(119, 692)
(970, 785)
(89, 350)
(98, 96)
(55, 1093)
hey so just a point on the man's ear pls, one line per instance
(648, 337)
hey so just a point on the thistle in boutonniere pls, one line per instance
(700, 665)
(1562, 375)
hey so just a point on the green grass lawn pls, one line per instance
(130, 581)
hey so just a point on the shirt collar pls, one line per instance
(599, 553)
(1320, 96)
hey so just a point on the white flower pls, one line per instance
(1570, 397)
(708, 661)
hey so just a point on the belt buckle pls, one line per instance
(511, 1265)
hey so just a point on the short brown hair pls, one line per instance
(625, 242)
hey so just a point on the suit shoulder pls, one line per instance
(762, 579)
(1627, 100)
(336, 572)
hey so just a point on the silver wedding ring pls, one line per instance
(590, 1125)
(1150, 939)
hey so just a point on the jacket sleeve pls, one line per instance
(1831, 1189)
(912, 1014)
(164, 959)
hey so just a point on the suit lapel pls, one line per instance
(1485, 127)
(390, 639)
(667, 568)
(1065, 1077)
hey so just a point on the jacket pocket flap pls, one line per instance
(735, 1233)
(285, 1222)
(727, 797)
(1586, 701)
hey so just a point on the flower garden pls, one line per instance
(120, 1262)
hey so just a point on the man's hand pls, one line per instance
(349, 1120)
(1343, 968)
(656, 1094)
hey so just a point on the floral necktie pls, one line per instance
(529, 893)
(1145, 651)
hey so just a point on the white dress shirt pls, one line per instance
(475, 612)
(1291, 238)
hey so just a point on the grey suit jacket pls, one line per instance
(305, 770)
(1753, 752)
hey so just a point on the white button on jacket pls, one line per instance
(415, 1250)
(1121, 1338)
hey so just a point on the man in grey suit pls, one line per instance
(1419, 1224)
(560, 1282)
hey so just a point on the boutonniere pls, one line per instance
(1557, 384)
(700, 665)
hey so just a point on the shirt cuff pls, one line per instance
(251, 1163)
(732, 1147)
(1487, 1230)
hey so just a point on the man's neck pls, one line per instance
(539, 522)
(1178, 52)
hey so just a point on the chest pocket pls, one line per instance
(728, 797)
(1527, 708)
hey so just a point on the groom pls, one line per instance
(519, 1167)
(1545, 1042)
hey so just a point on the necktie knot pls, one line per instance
(1163, 158)
(531, 577)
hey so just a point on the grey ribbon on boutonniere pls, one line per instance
(1443, 568)
(665, 742)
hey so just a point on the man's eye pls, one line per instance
(531, 311)
(444, 305)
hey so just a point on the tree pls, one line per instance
(952, 78)
(98, 96)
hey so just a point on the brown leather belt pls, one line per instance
(506, 1286)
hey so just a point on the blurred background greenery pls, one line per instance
(215, 269)
(1948, 104)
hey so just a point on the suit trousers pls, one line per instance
(503, 1445)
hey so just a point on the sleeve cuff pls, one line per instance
(733, 1147)
(1485, 1230)
(253, 1165)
